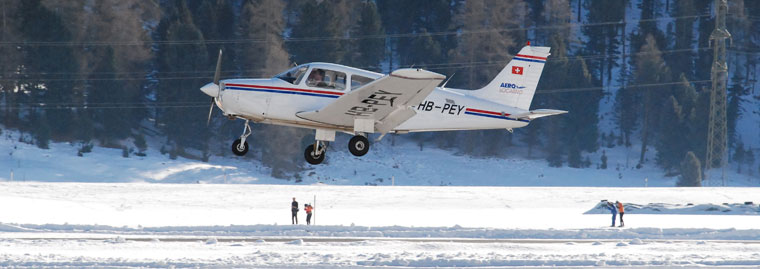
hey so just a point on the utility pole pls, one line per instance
(716, 154)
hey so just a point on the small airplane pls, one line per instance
(332, 98)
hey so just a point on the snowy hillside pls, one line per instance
(402, 164)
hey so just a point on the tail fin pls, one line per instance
(516, 83)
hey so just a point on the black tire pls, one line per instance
(310, 158)
(236, 150)
(358, 145)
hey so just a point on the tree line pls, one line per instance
(112, 72)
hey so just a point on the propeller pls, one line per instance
(216, 83)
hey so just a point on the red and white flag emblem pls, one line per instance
(517, 70)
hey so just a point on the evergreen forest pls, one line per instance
(632, 73)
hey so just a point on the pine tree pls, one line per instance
(280, 147)
(691, 172)
(262, 21)
(578, 130)
(47, 70)
(650, 69)
(109, 100)
(216, 20)
(671, 144)
(10, 60)
(317, 20)
(682, 60)
(603, 39)
(184, 127)
(420, 18)
(367, 52)
(476, 46)
(736, 93)
(739, 156)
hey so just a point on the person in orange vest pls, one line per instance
(308, 208)
(621, 210)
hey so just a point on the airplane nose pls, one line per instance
(211, 89)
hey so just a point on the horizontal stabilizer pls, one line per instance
(538, 113)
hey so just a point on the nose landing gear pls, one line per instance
(240, 146)
(315, 153)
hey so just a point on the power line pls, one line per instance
(97, 107)
(333, 38)
(564, 90)
(432, 66)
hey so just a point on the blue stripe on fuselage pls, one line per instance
(493, 116)
(282, 91)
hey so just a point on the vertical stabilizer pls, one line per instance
(516, 84)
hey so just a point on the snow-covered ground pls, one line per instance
(188, 225)
(402, 164)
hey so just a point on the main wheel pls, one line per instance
(358, 145)
(239, 149)
(311, 158)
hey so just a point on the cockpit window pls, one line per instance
(359, 81)
(328, 79)
(294, 75)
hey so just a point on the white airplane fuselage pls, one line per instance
(276, 101)
(332, 98)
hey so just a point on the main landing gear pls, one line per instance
(240, 146)
(315, 153)
(358, 145)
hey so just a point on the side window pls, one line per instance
(328, 79)
(359, 81)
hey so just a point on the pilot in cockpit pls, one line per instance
(317, 78)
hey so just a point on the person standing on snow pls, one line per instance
(294, 210)
(620, 209)
(308, 208)
(613, 210)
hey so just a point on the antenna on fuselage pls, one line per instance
(447, 80)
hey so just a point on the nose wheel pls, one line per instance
(315, 153)
(358, 145)
(240, 146)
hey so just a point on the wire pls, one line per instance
(322, 38)
(432, 66)
(97, 107)
(618, 86)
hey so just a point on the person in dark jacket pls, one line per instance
(613, 210)
(294, 210)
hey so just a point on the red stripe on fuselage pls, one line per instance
(486, 112)
(284, 89)
(531, 57)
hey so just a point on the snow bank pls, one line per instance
(299, 233)
(683, 209)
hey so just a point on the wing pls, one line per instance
(380, 105)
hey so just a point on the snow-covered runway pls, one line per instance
(160, 225)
